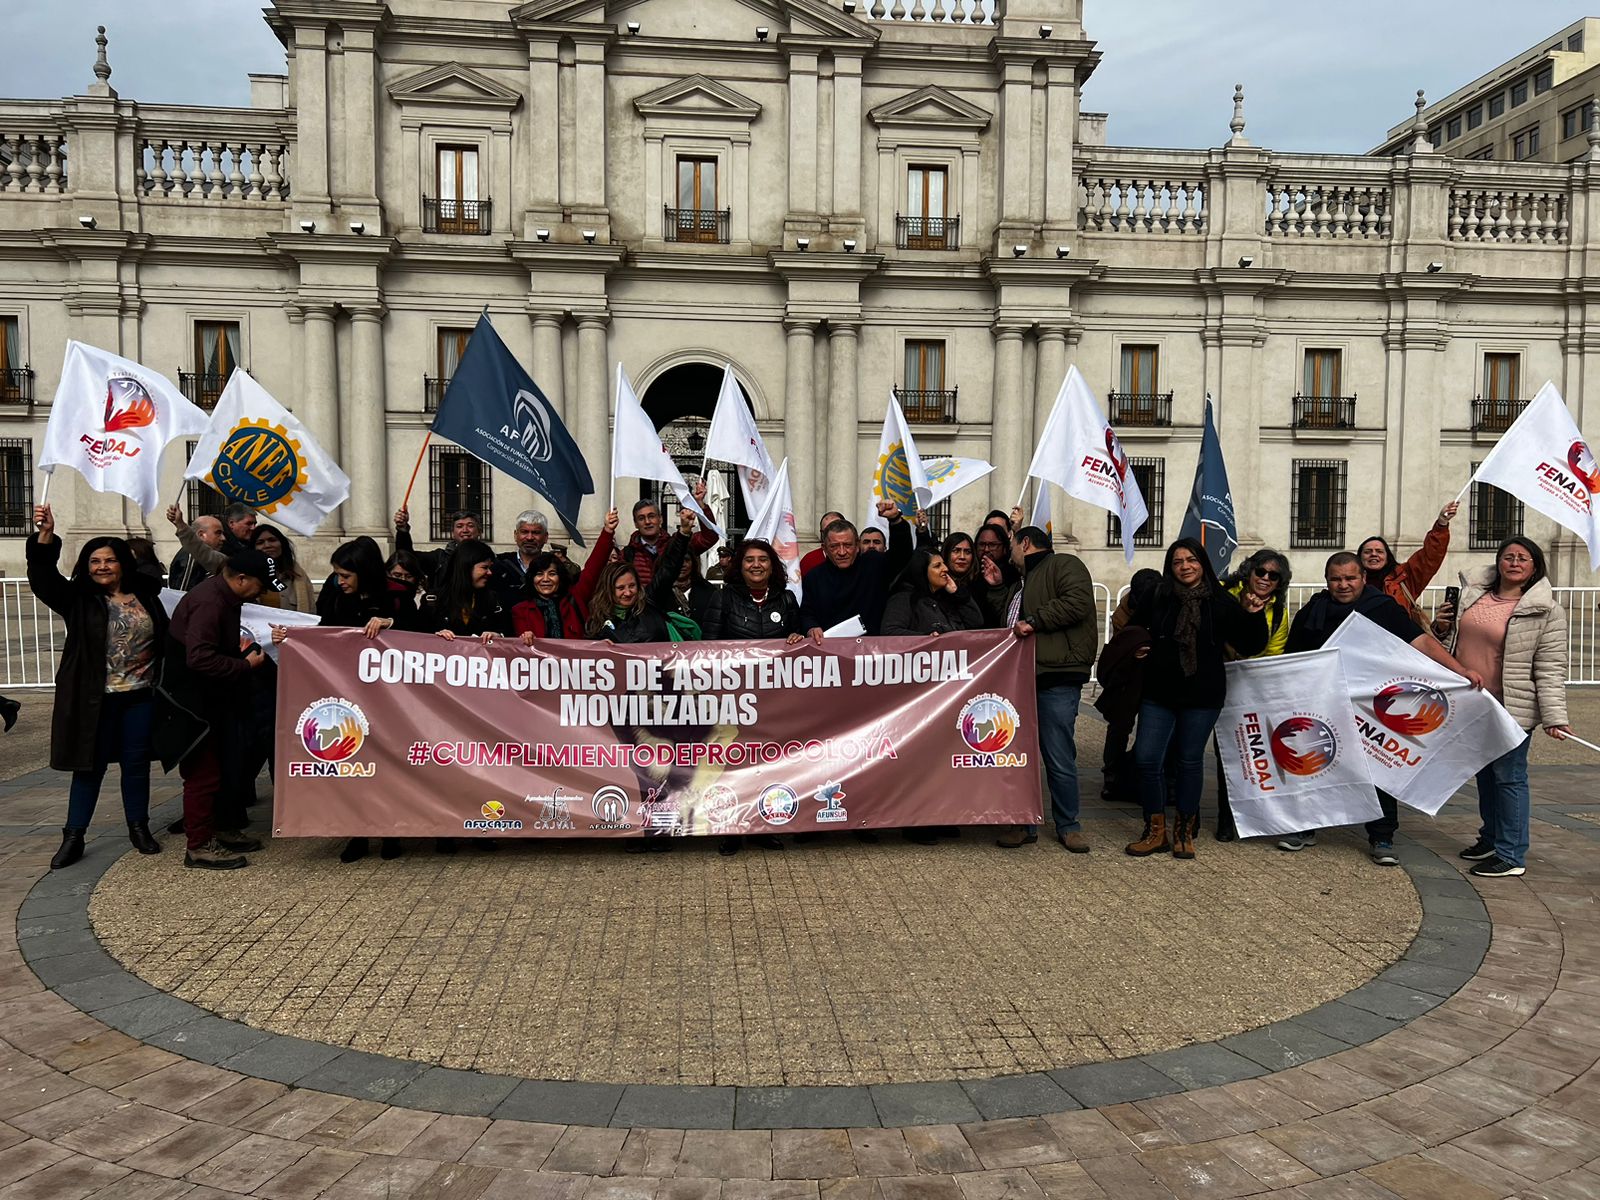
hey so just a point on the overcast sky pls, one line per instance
(1317, 77)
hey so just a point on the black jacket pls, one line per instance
(1314, 624)
(830, 595)
(81, 673)
(915, 611)
(1223, 623)
(489, 615)
(342, 611)
(736, 617)
(204, 676)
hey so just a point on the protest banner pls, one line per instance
(1425, 729)
(411, 736)
(1288, 742)
(256, 620)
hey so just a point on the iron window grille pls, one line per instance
(16, 385)
(1492, 517)
(16, 486)
(1493, 415)
(939, 521)
(1151, 476)
(433, 390)
(1141, 409)
(704, 226)
(1324, 412)
(456, 216)
(928, 406)
(927, 233)
(457, 482)
(202, 387)
(1317, 504)
(200, 499)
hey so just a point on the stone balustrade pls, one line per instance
(32, 162)
(937, 12)
(1500, 214)
(1308, 208)
(212, 168)
(1144, 192)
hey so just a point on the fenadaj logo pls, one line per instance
(1581, 459)
(332, 731)
(1119, 458)
(1412, 708)
(128, 404)
(1304, 746)
(988, 723)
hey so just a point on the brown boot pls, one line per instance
(1183, 833)
(1154, 840)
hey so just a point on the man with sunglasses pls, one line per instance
(1349, 592)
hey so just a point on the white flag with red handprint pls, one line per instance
(1544, 461)
(775, 524)
(110, 421)
(1080, 454)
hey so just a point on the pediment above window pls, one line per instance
(698, 96)
(453, 84)
(931, 106)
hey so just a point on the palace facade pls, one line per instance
(838, 197)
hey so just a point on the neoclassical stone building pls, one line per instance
(839, 197)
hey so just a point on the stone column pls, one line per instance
(1009, 453)
(1047, 382)
(366, 431)
(799, 424)
(548, 371)
(593, 415)
(319, 395)
(842, 478)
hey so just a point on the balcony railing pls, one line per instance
(928, 406)
(927, 233)
(203, 387)
(1146, 409)
(456, 216)
(703, 225)
(1324, 412)
(433, 390)
(16, 385)
(1492, 415)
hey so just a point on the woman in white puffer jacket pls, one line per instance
(1514, 634)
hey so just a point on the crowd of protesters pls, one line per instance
(198, 694)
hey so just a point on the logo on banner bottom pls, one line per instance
(493, 820)
(332, 731)
(988, 724)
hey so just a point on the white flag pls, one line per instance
(1080, 455)
(1425, 729)
(637, 452)
(1288, 742)
(1543, 461)
(256, 453)
(948, 474)
(734, 438)
(899, 474)
(1041, 507)
(110, 421)
(775, 525)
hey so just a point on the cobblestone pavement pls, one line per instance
(1492, 1090)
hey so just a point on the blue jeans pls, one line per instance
(1058, 742)
(123, 735)
(1503, 803)
(1186, 730)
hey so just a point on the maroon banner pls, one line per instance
(408, 735)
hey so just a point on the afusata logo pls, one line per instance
(1304, 745)
(128, 406)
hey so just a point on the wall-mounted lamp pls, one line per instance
(1435, 267)
(761, 33)
(1018, 250)
(542, 234)
(849, 245)
(849, 6)
(1246, 261)
(1046, 30)
(633, 28)
(1063, 251)
(588, 236)
(86, 221)
(357, 228)
(308, 226)
(803, 243)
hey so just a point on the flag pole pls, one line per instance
(44, 493)
(1572, 737)
(406, 503)
(1023, 495)
(1463, 491)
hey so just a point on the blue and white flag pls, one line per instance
(1209, 518)
(495, 410)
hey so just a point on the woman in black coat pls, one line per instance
(116, 626)
(1192, 621)
(755, 605)
(467, 603)
(927, 601)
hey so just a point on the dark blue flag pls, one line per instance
(1209, 518)
(495, 410)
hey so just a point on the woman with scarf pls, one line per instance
(1192, 622)
(467, 605)
(105, 684)
(1403, 582)
(554, 605)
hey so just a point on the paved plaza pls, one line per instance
(885, 1022)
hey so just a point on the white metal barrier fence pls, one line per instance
(31, 635)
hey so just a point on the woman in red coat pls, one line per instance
(552, 607)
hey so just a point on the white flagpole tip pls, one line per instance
(1572, 737)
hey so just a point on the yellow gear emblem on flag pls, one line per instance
(893, 480)
(260, 465)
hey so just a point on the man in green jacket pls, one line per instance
(1054, 605)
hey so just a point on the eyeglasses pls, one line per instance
(1263, 573)
(1515, 558)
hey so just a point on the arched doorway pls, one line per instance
(680, 401)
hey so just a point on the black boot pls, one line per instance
(8, 711)
(71, 848)
(139, 835)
